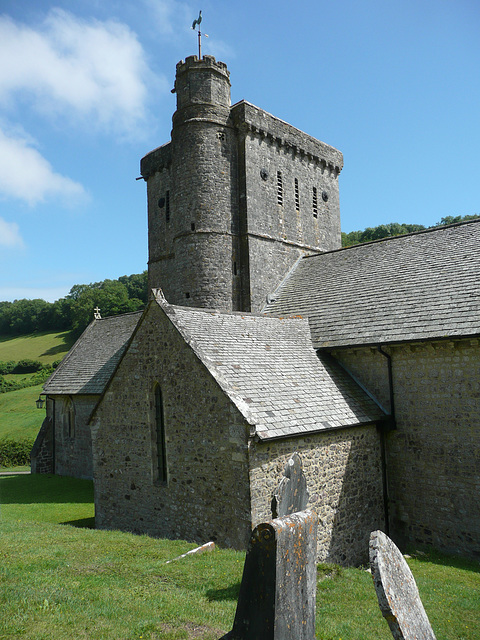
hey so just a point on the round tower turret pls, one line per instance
(193, 228)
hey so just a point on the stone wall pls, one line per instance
(433, 456)
(289, 197)
(370, 368)
(41, 456)
(73, 443)
(344, 479)
(206, 495)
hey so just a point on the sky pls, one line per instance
(85, 93)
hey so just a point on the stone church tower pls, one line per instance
(235, 198)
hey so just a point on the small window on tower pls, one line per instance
(279, 188)
(167, 206)
(297, 196)
(315, 202)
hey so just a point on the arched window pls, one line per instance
(160, 457)
(69, 418)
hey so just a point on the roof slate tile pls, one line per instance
(420, 286)
(90, 363)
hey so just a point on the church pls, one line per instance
(263, 337)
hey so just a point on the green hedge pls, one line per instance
(15, 453)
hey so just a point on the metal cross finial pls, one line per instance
(96, 314)
(196, 23)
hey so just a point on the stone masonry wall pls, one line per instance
(206, 495)
(370, 368)
(344, 480)
(289, 194)
(73, 447)
(41, 456)
(434, 455)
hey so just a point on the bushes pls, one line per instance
(15, 453)
(41, 373)
(27, 366)
(7, 367)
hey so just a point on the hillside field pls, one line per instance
(19, 417)
(45, 346)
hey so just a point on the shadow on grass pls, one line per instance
(68, 342)
(445, 560)
(40, 488)
(83, 523)
(229, 593)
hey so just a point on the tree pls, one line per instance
(111, 296)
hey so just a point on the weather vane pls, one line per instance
(196, 23)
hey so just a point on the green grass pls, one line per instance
(19, 417)
(60, 581)
(45, 346)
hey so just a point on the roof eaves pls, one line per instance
(263, 435)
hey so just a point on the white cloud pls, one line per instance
(26, 175)
(75, 67)
(10, 235)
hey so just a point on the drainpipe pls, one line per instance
(390, 384)
(383, 430)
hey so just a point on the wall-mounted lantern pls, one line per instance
(40, 402)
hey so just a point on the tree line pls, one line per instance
(75, 311)
(396, 229)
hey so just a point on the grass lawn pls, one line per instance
(61, 581)
(19, 417)
(46, 346)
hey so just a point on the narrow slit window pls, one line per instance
(297, 196)
(315, 202)
(161, 454)
(167, 206)
(279, 188)
(70, 416)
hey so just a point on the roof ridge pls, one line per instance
(391, 238)
(119, 315)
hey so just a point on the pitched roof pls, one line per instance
(92, 360)
(419, 286)
(268, 368)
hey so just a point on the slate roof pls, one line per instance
(92, 360)
(268, 368)
(419, 286)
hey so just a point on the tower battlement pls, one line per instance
(207, 62)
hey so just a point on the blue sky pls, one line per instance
(85, 93)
